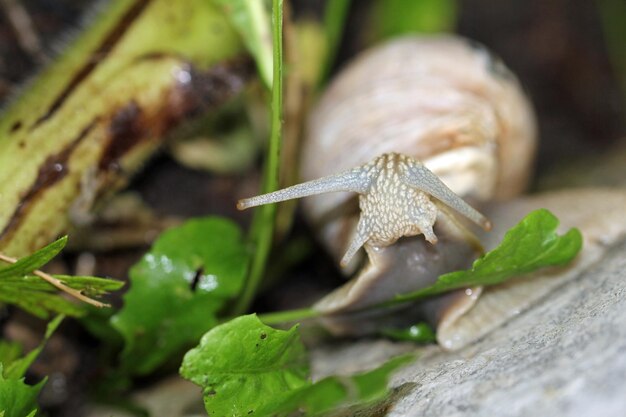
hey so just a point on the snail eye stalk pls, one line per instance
(416, 175)
(354, 180)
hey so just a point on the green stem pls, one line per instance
(288, 316)
(334, 20)
(264, 217)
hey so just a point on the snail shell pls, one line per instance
(444, 101)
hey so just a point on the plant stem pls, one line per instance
(264, 217)
(289, 316)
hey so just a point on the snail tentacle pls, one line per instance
(355, 180)
(418, 176)
(361, 236)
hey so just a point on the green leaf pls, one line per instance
(91, 286)
(530, 245)
(39, 303)
(336, 392)
(400, 17)
(251, 20)
(17, 369)
(244, 365)
(9, 351)
(247, 368)
(38, 297)
(418, 333)
(17, 399)
(31, 293)
(38, 259)
(177, 289)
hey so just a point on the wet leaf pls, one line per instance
(177, 289)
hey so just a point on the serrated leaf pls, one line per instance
(244, 365)
(530, 245)
(31, 293)
(38, 259)
(39, 303)
(40, 298)
(177, 288)
(17, 399)
(252, 22)
(91, 286)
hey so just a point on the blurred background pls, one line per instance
(570, 56)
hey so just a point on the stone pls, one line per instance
(564, 357)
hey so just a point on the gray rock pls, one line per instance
(564, 357)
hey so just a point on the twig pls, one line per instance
(58, 284)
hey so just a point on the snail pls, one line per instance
(458, 116)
